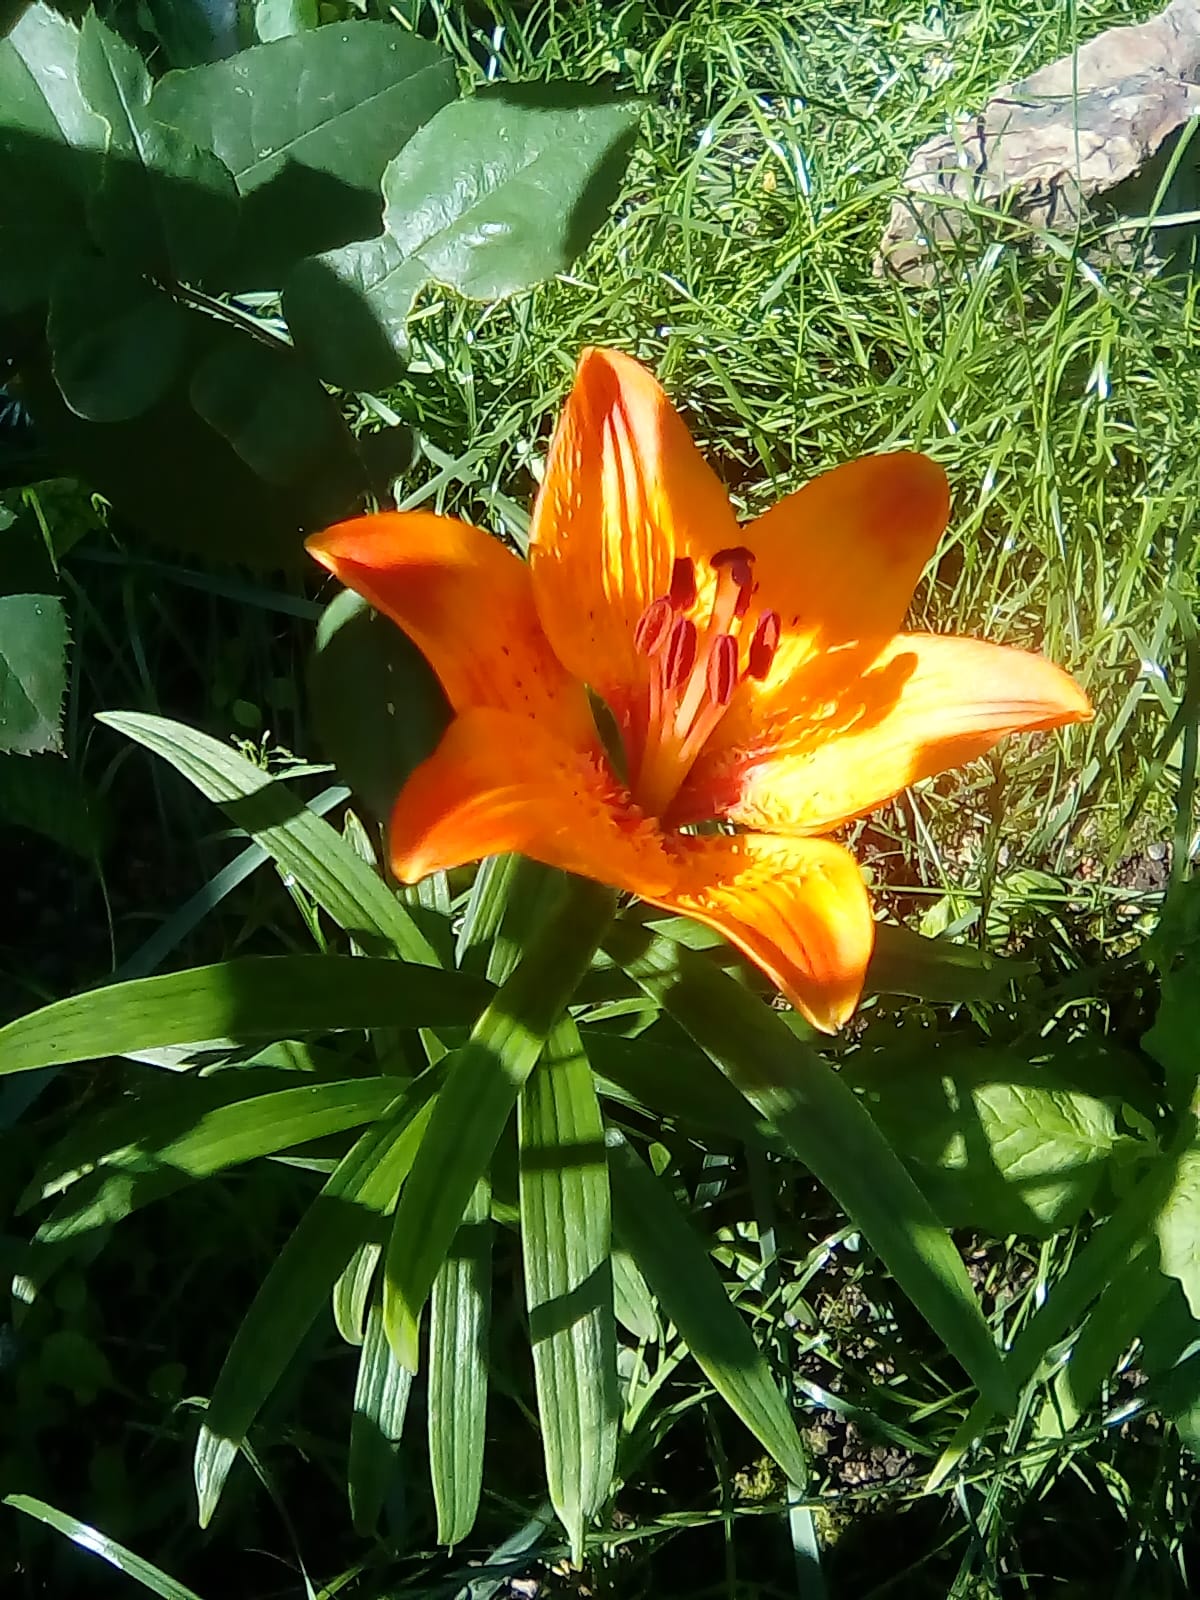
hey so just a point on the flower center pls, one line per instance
(695, 669)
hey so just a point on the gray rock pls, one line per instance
(1091, 131)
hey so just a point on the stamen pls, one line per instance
(723, 669)
(681, 654)
(682, 593)
(653, 627)
(763, 645)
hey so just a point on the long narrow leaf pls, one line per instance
(830, 1131)
(679, 1272)
(302, 844)
(99, 1544)
(566, 1239)
(380, 1406)
(459, 1315)
(136, 1175)
(476, 1101)
(348, 1210)
(245, 1000)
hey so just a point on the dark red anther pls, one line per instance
(763, 645)
(682, 593)
(736, 555)
(651, 632)
(681, 653)
(723, 669)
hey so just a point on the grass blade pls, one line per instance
(827, 1128)
(679, 1272)
(566, 1239)
(248, 999)
(301, 844)
(476, 1101)
(459, 1314)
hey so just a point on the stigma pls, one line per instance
(696, 667)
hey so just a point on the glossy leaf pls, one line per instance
(827, 1128)
(99, 1544)
(164, 204)
(377, 706)
(381, 1396)
(301, 843)
(306, 125)
(492, 196)
(459, 1316)
(476, 1100)
(566, 1241)
(279, 19)
(245, 999)
(226, 1136)
(116, 340)
(33, 672)
(1177, 1227)
(349, 1210)
(679, 1273)
(274, 413)
(40, 92)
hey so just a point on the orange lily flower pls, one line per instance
(755, 675)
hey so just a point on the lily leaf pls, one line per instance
(476, 1101)
(381, 1397)
(566, 1239)
(310, 849)
(680, 1274)
(245, 999)
(459, 1314)
(827, 1128)
(359, 1193)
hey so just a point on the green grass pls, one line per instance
(1062, 399)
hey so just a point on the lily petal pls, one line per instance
(499, 782)
(839, 559)
(467, 603)
(625, 492)
(797, 907)
(926, 703)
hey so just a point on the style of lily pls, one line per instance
(755, 676)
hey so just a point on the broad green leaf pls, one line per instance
(681, 1276)
(1170, 1360)
(301, 843)
(827, 1128)
(245, 999)
(459, 1317)
(227, 513)
(226, 1136)
(380, 1404)
(995, 1142)
(116, 340)
(44, 122)
(939, 970)
(163, 205)
(348, 1211)
(669, 1081)
(566, 1242)
(1177, 1227)
(633, 1304)
(476, 1100)
(99, 1544)
(274, 413)
(33, 672)
(505, 189)
(492, 196)
(352, 1293)
(306, 125)
(376, 704)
